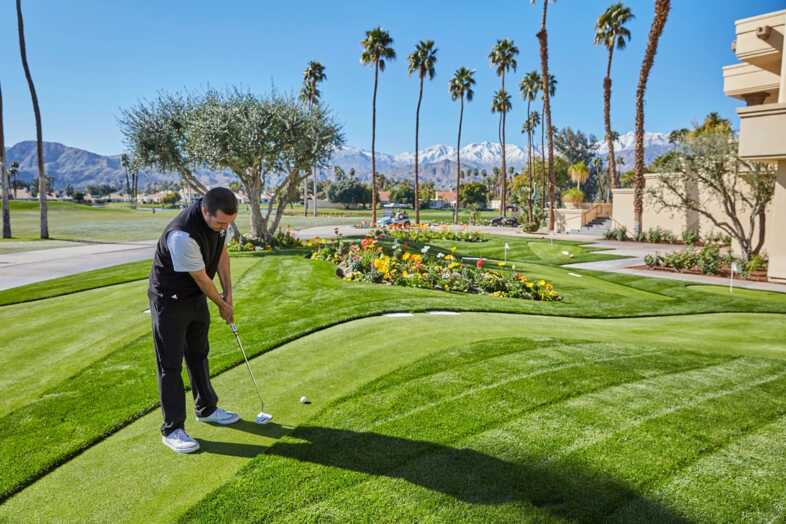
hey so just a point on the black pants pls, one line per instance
(180, 329)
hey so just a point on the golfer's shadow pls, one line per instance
(567, 490)
(270, 430)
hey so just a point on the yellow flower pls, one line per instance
(406, 256)
(453, 265)
(541, 282)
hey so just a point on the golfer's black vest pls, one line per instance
(164, 280)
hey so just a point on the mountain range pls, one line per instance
(79, 168)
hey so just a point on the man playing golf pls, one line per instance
(189, 253)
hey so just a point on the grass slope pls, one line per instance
(476, 417)
(279, 299)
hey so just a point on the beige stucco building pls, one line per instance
(760, 80)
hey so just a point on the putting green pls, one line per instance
(131, 476)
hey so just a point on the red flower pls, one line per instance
(479, 264)
(367, 243)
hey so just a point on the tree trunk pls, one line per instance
(314, 178)
(543, 169)
(529, 162)
(134, 189)
(42, 181)
(253, 187)
(374, 148)
(614, 180)
(417, 152)
(4, 176)
(458, 164)
(544, 61)
(662, 8)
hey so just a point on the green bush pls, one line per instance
(690, 237)
(618, 233)
(573, 195)
(756, 263)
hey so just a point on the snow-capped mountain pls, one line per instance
(79, 168)
(437, 162)
(655, 144)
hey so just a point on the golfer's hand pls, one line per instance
(227, 298)
(227, 312)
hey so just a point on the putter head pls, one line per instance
(263, 418)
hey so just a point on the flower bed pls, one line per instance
(709, 261)
(423, 233)
(281, 240)
(367, 261)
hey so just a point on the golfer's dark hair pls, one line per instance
(220, 198)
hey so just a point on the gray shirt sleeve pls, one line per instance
(185, 253)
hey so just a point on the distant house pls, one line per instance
(384, 197)
(443, 199)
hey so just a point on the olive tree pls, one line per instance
(155, 135)
(705, 170)
(270, 144)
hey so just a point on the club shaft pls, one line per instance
(251, 373)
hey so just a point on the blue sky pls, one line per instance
(90, 58)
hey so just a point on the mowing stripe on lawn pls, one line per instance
(379, 495)
(720, 484)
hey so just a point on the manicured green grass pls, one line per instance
(75, 283)
(118, 223)
(101, 382)
(539, 251)
(440, 419)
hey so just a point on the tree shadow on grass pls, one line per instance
(565, 490)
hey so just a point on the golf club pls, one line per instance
(262, 417)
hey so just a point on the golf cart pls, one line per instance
(398, 219)
(505, 221)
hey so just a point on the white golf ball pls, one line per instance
(304, 400)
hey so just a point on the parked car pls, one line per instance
(394, 205)
(505, 221)
(397, 219)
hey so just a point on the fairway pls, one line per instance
(626, 399)
(120, 223)
(481, 424)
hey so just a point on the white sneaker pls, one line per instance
(221, 417)
(179, 442)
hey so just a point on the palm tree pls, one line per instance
(501, 104)
(12, 171)
(610, 31)
(662, 8)
(42, 185)
(376, 50)
(4, 176)
(312, 76)
(529, 126)
(544, 170)
(543, 38)
(460, 88)
(603, 187)
(530, 87)
(503, 58)
(422, 61)
(578, 173)
(125, 162)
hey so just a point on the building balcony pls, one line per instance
(762, 134)
(750, 83)
(759, 40)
